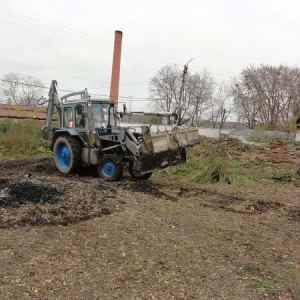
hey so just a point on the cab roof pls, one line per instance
(91, 100)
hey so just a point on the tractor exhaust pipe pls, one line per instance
(115, 74)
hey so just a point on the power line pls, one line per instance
(37, 33)
(141, 99)
(60, 57)
(45, 67)
(134, 83)
(144, 61)
(63, 41)
(56, 29)
(76, 32)
(56, 37)
(33, 85)
(47, 36)
(94, 49)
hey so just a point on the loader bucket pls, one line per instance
(187, 137)
(170, 141)
(160, 150)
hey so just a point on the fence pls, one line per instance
(249, 135)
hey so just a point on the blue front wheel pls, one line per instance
(110, 167)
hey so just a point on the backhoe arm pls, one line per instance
(53, 101)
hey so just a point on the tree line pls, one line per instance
(268, 96)
(196, 98)
(21, 89)
(263, 97)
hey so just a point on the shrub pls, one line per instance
(5, 125)
(211, 167)
(20, 137)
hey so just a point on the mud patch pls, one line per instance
(3, 183)
(30, 191)
(264, 206)
(38, 202)
(240, 205)
(149, 188)
(230, 204)
(283, 178)
(294, 214)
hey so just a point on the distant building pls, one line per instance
(22, 112)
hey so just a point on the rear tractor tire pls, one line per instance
(110, 167)
(136, 175)
(67, 154)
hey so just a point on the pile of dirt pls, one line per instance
(34, 193)
(229, 147)
(59, 200)
(279, 152)
(30, 190)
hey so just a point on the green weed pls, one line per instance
(20, 138)
(211, 167)
(265, 283)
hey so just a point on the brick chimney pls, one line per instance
(115, 73)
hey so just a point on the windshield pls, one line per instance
(99, 115)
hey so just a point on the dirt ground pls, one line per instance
(78, 237)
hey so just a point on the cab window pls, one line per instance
(80, 116)
(68, 117)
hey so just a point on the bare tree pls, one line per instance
(21, 89)
(203, 85)
(268, 96)
(245, 103)
(220, 105)
(166, 89)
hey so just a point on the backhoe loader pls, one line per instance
(88, 133)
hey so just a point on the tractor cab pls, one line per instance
(89, 115)
(100, 115)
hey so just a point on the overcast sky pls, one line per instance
(72, 41)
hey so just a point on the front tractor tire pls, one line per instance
(67, 154)
(110, 167)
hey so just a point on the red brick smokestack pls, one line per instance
(115, 73)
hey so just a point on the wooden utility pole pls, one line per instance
(185, 69)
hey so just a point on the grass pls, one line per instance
(20, 138)
(212, 167)
(150, 247)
